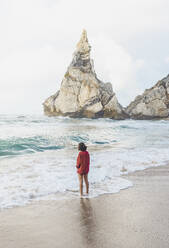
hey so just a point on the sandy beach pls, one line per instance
(135, 217)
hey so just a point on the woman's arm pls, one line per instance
(78, 161)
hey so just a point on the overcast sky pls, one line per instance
(129, 39)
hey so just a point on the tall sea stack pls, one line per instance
(81, 93)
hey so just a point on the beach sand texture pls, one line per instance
(137, 217)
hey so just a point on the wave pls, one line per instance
(20, 146)
(26, 134)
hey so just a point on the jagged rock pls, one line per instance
(153, 103)
(81, 93)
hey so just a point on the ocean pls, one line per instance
(38, 155)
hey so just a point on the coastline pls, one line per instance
(134, 217)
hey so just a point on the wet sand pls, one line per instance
(137, 217)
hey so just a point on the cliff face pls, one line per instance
(153, 103)
(81, 93)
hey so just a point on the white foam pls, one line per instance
(40, 175)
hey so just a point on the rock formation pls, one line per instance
(81, 93)
(153, 103)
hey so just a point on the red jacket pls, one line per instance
(83, 162)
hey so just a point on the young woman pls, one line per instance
(83, 162)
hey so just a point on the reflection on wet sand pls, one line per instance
(87, 222)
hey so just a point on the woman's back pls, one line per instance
(83, 161)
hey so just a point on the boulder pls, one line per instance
(153, 103)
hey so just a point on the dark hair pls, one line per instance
(82, 147)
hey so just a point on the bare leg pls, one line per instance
(87, 183)
(81, 184)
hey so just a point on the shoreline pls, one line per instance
(134, 217)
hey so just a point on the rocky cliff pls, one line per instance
(153, 103)
(81, 93)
